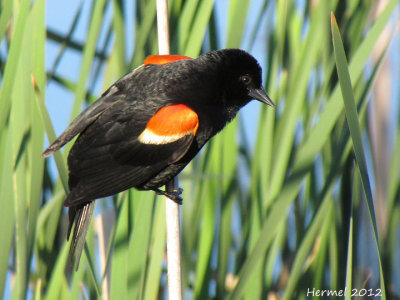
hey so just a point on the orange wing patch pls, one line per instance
(163, 59)
(170, 124)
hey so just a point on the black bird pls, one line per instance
(150, 124)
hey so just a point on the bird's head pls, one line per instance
(240, 76)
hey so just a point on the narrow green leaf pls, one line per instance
(333, 109)
(306, 245)
(7, 214)
(143, 32)
(185, 23)
(119, 267)
(139, 244)
(198, 30)
(296, 96)
(60, 163)
(10, 69)
(154, 268)
(36, 163)
(88, 54)
(58, 286)
(206, 237)
(5, 18)
(236, 22)
(349, 264)
(20, 126)
(355, 131)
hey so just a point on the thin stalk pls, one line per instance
(173, 245)
(171, 207)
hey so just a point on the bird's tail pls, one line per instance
(80, 215)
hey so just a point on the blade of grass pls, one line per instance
(355, 131)
(296, 96)
(206, 235)
(119, 30)
(319, 133)
(193, 209)
(10, 69)
(341, 153)
(119, 267)
(230, 187)
(142, 33)
(319, 254)
(91, 271)
(7, 214)
(5, 18)
(198, 30)
(108, 249)
(88, 54)
(236, 22)
(154, 269)
(20, 125)
(36, 164)
(139, 244)
(307, 243)
(349, 264)
(58, 285)
(51, 134)
(278, 213)
(185, 22)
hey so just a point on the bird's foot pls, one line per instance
(174, 195)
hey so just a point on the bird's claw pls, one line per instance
(174, 195)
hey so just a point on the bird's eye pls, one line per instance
(246, 79)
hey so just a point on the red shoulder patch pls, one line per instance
(163, 59)
(170, 124)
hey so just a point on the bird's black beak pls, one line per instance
(260, 95)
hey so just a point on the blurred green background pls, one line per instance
(283, 202)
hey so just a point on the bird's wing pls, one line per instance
(91, 113)
(125, 147)
(172, 125)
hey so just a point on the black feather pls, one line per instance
(81, 215)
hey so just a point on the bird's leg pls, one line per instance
(174, 195)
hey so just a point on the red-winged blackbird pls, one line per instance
(150, 124)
